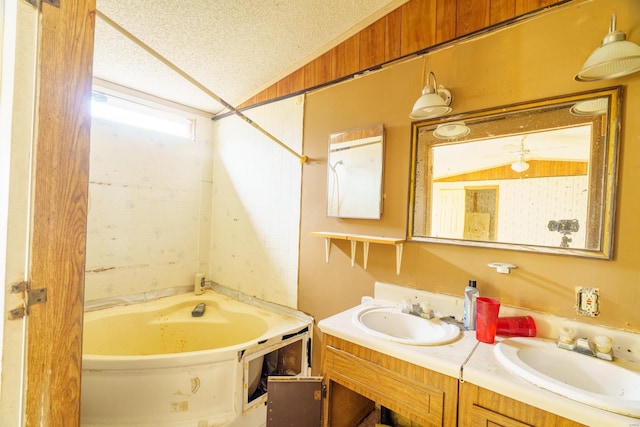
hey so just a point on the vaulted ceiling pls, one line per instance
(234, 48)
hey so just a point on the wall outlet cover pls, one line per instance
(588, 301)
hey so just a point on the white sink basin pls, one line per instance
(392, 324)
(612, 386)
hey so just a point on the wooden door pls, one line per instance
(448, 218)
(480, 209)
(54, 333)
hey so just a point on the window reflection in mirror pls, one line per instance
(354, 173)
(538, 176)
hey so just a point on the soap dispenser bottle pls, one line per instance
(469, 316)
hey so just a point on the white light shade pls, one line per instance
(590, 107)
(434, 101)
(520, 166)
(451, 130)
(616, 57)
(430, 105)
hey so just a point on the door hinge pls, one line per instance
(31, 297)
(37, 3)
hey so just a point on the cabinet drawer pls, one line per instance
(484, 417)
(482, 407)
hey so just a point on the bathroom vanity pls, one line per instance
(356, 377)
(353, 371)
(417, 382)
(459, 383)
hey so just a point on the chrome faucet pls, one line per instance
(420, 309)
(201, 285)
(600, 347)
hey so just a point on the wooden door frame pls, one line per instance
(54, 344)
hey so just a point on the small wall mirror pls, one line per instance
(538, 176)
(354, 173)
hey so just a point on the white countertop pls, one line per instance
(472, 361)
(445, 359)
(484, 370)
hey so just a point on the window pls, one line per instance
(130, 113)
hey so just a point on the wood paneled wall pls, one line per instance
(538, 169)
(413, 27)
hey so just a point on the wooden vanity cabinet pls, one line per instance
(357, 376)
(480, 407)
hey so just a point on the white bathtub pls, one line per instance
(153, 364)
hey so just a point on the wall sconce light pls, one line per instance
(616, 57)
(434, 101)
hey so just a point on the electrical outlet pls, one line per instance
(588, 301)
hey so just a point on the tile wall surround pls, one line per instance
(163, 208)
(256, 203)
(149, 209)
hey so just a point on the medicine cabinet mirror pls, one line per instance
(354, 173)
(538, 176)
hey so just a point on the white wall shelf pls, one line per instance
(366, 240)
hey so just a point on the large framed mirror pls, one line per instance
(354, 173)
(538, 176)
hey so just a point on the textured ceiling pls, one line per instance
(235, 48)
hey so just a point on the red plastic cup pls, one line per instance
(486, 319)
(516, 326)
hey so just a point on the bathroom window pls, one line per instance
(136, 114)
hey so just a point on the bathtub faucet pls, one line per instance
(200, 284)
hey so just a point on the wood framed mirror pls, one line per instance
(538, 176)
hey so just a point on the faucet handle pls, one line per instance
(603, 343)
(425, 310)
(603, 347)
(567, 335)
(567, 338)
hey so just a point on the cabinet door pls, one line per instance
(423, 396)
(294, 401)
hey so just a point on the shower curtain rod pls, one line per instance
(196, 83)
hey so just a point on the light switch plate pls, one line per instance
(588, 301)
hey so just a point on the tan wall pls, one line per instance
(534, 59)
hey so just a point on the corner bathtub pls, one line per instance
(153, 364)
